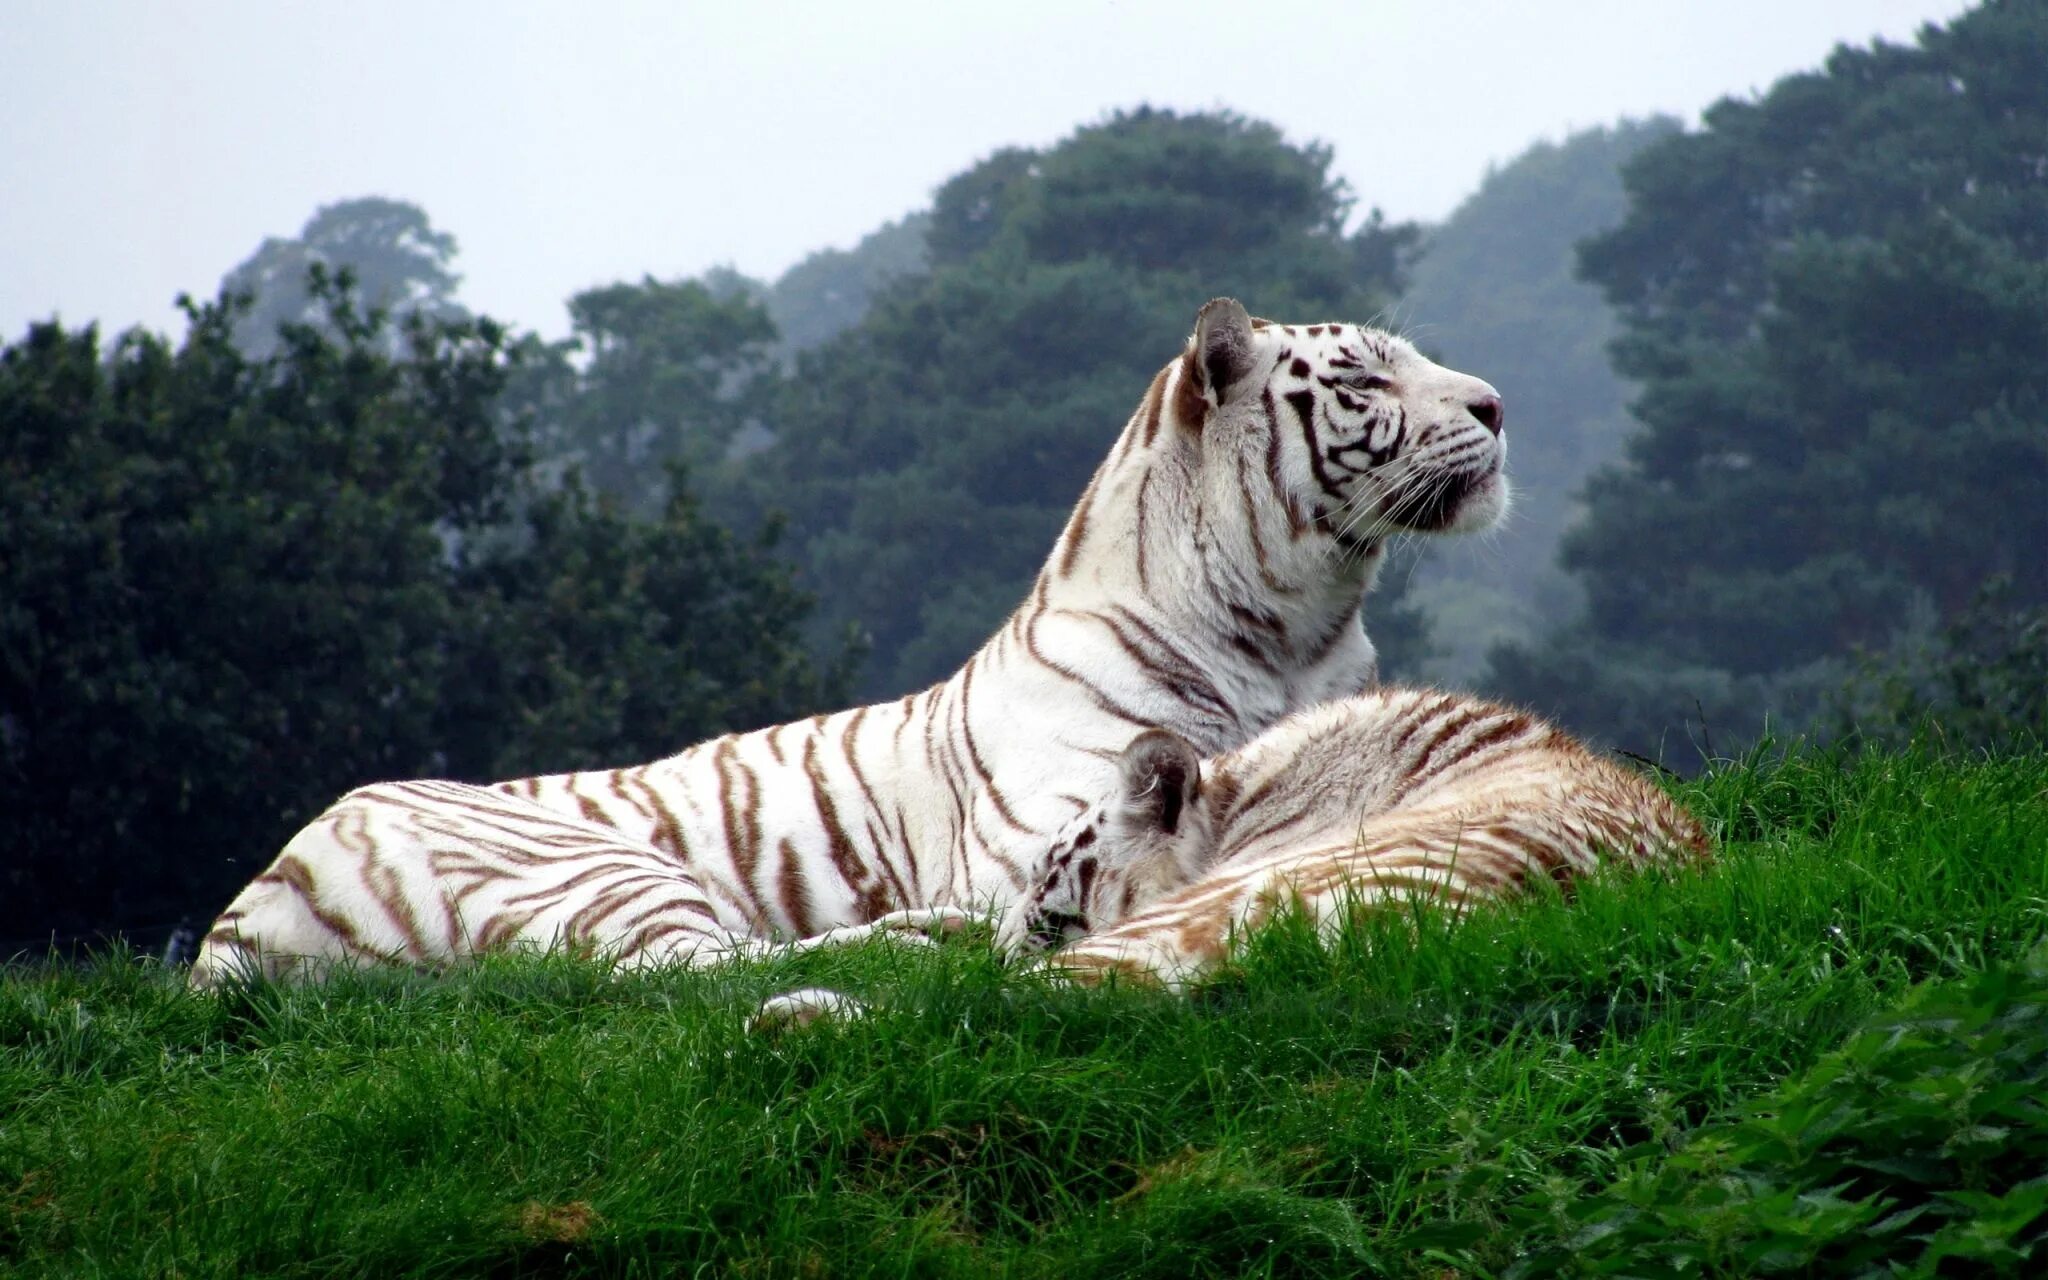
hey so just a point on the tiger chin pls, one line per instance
(1388, 797)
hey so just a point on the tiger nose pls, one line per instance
(1487, 409)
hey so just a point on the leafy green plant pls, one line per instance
(1982, 685)
(1921, 1142)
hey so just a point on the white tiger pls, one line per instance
(1392, 795)
(1209, 581)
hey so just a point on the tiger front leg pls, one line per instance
(913, 926)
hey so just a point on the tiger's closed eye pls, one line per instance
(1369, 382)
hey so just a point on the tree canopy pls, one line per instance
(1835, 300)
(928, 455)
(653, 374)
(1494, 292)
(401, 264)
(231, 588)
(830, 290)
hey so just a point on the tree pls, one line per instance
(605, 639)
(928, 455)
(400, 263)
(1493, 292)
(232, 588)
(1980, 685)
(830, 290)
(1835, 299)
(670, 373)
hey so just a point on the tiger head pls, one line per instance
(1153, 834)
(1356, 433)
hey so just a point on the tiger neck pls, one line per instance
(1231, 578)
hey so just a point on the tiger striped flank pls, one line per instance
(1209, 581)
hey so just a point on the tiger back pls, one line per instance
(1392, 796)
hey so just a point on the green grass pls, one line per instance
(1418, 1100)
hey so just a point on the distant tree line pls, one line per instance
(1495, 291)
(1833, 301)
(233, 586)
(346, 533)
(928, 454)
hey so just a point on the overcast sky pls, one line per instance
(147, 147)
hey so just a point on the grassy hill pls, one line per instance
(1829, 1049)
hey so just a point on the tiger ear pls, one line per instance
(1222, 351)
(1162, 776)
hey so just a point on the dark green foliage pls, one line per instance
(1836, 301)
(1417, 1100)
(605, 639)
(830, 290)
(670, 373)
(1982, 685)
(400, 263)
(1918, 1148)
(1494, 293)
(929, 455)
(232, 588)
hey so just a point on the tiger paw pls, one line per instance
(943, 922)
(793, 1010)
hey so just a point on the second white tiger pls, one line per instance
(1396, 794)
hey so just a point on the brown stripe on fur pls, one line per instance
(1418, 717)
(608, 902)
(849, 749)
(956, 777)
(1272, 581)
(644, 939)
(1154, 405)
(1297, 522)
(1190, 410)
(987, 776)
(668, 833)
(1302, 812)
(1103, 702)
(1175, 655)
(869, 898)
(503, 928)
(1144, 488)
(750, 827)
(1304, 405)
(1077, 527)
(387, 888)
(737, 816)
(1172, 670)
(1221, 790)
(907, 707)
(617, 780)
(548, 894)
(1453, 725)
(796, 895)
(295, 875)
(1512, 728)
(1271, 624)
(349, 827)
